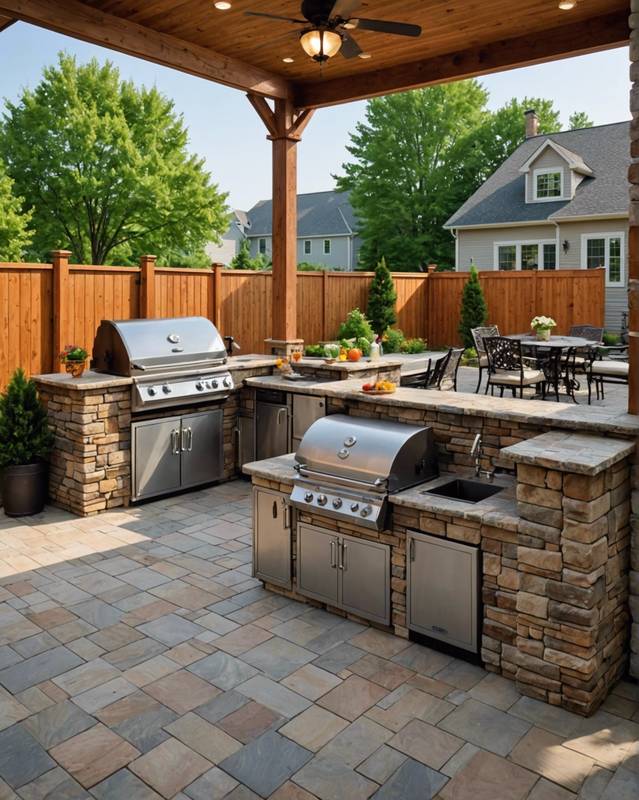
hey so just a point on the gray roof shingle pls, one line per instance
(501, 199)
(318, 214)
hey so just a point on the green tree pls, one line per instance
(474, 311)
(404, 176)
(579, 119)
(15, 235)
(24, 425)
(381, 300)
(242, 259)
(104, 167)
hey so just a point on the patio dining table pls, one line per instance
(529, 340)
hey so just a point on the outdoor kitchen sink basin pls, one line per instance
(465, 490)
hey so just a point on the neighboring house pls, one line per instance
(326, 226)
(560, 201)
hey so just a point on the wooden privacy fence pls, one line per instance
(44, 307)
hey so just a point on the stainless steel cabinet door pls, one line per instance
(271, 537)
(245, 440)
(156, 457)
(202, 446)
(442, 590)
(306, 409)
(365, 578)
(317, 573)
(271, 430)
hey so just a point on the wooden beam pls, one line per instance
(284, 226)
(5, 22)
(82, 21)
(301, 121)
(598, 33)
(265, 112)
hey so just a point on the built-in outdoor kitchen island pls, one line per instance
(533, 580)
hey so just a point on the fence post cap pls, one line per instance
(432, 268)
(60, 253)
(148, 258)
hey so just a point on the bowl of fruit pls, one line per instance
(379, 387)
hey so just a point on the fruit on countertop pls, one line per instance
(354, 354)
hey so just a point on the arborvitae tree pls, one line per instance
(474, 311)
(381, 300)
(24, 426)
(242, 259)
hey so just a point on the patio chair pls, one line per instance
(418, 380)
(508, 368)
(591, 332)
(603, 371)
(445, 371)
(479, 334)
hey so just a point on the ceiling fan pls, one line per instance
(328, 25)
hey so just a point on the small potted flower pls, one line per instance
(542, 327)
(74, 359)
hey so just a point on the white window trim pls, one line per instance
(548, 171)
(326, 252)
(518, 245)
(607, 236)
(308, 252)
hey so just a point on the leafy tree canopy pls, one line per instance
(579, 120)
(104, 167)
(15, 235)
(418, 156)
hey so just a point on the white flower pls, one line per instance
(543, 323)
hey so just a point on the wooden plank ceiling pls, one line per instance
(460, 37)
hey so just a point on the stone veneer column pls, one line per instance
(571, 604)
(90, 466)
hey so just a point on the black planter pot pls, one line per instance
(24, 489)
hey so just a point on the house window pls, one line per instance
(507, 257)
(261, 245)
(525, 255)
(307, 247)
(606, 251)
(550, 256)
(327, 247)
(548, 184)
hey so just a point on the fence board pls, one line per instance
(427, 304)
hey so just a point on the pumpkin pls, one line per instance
(354, 354)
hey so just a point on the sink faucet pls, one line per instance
(231, 345)
(477, 451)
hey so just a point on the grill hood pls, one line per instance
(387, 456)
(147, 346)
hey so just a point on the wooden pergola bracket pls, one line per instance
(5, 22)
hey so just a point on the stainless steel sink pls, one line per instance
(465, 490)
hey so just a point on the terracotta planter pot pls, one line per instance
(25, 489)
(75, 368)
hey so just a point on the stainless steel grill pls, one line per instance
(173, 362)
(347, 466)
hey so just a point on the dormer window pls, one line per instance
(548, 184)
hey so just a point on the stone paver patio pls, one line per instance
(139, 660)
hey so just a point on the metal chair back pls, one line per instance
(479, 334)
(590, 332)
(448, 377)
(504, 354)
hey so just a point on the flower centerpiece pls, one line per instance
(542, 327)
(74, 359)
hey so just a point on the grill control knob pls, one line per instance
(365, 511)
(199, 386)
(337, 503)
(152, 391)
(214, 384)
(308, 497)
(166, 388)
(322, 500)
(228, 382)
(354, 506)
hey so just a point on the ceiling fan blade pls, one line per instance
(349, 48)
(385, 26)
(275, 16)
(345, 8)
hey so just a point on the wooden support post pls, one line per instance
(147, 287)
(217, 295)
(633, 233)
(61, 315)
(284, 124)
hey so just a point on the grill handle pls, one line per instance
(156, 367)
(377, 485)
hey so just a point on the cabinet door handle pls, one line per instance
(411, 550)
(333, 562)
(274, 509)
(183, 440)
(279, 414)
(287, 515)
(344, 549)
(340, 555)
(175, 442)
(190, 444)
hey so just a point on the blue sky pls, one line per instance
(227, 132)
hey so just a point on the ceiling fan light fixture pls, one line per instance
(365, 55)
(222, 5)
(288, 60)
(567, 5)
(320, 43)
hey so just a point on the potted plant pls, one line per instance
(542, 327)
(27, 441)
(74, 359)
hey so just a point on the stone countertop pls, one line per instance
(89, 380)
(499, 511)
(341, 367)
(273, 469)
(250, 361)
(569, 452)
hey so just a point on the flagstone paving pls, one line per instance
(141, 661)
